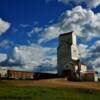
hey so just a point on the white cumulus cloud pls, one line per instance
(35, 58)
(6, 43)
(34, 55)
(84, 21)
(90, 55)
(90, 3)
(35, 30)
(4, 26)
(83, 51)
(3, 57)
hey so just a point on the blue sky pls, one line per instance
(29, 30)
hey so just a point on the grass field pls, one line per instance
(12, 92)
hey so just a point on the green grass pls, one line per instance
(8, 92)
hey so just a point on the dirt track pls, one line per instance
(54, 83)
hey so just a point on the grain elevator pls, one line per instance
(67, 56)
